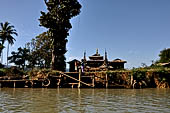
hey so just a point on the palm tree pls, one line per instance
(6, 33)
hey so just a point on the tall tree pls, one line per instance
(57, 20)
(6, 34)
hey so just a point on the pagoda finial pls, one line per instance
(84, 55)
(105, 55)
(106, 60)
(97, 51)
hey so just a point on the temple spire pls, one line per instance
(97, 51)
(84, 55)
(105, 55)
(106, 60)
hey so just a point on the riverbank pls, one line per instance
(135, 78)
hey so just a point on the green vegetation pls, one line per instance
(40, 51)
(11, 73)
(19, 58)
(164, 56)
(36, 54)
(41, 48)
(143, 77)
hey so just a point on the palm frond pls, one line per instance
(1, 25)
(6, 33)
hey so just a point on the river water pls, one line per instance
(42, 100)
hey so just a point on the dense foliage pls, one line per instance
(40, 51)
(20, 57)
(36, 53)
(164, 56)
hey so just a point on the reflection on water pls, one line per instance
(84, 100)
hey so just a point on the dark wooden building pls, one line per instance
(96, 62)
(74, 65)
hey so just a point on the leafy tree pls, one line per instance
(19, 58)
(32, 57)
(164, 56)
(6, 33)
(57, 20)
(40, 51)
(43, 49)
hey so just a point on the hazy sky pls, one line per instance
(133, 30)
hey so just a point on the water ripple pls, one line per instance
(43, 100)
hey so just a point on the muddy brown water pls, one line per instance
(63, 100)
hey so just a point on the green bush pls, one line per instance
(2, 72)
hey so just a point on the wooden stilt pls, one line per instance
(93, 77)
(131, 82)
(14, 84)
(58, 83)
(106, 81)
(79, 78)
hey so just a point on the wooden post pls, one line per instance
(14, 84)
(58, 84)
(106, 81)
(42, 84)
(72, 86)
(93, 77)
(59, 80)
(79, 78)
(131, 82)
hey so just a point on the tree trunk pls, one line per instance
(2, 52)
(53, 60)
(7, 53)
(58, 58)
(2, 57)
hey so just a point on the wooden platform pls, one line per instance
(65, 79)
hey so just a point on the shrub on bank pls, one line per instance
(11, 73)
(2, 72)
